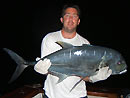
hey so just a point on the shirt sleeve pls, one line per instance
(48, 45)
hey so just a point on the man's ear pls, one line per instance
(78, 21)
(61, 19)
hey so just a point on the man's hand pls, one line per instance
(42, 66)
(102, 74)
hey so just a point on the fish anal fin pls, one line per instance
(60, 76)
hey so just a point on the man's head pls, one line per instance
(70, 18)
(70, 6)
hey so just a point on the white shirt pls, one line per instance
(62, 89)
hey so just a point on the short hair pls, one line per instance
(70, 6)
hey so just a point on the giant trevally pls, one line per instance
(85, 60)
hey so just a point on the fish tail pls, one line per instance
(21, 64)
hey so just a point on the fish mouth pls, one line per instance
(124, 71)
(119, 72)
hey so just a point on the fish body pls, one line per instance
(85, 60)
(71, 60)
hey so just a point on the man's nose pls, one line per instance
(71, 17)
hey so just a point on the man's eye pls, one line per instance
(67, 15)
(75, 16)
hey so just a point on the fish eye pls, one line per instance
(119, 63)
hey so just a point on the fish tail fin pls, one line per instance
(21, 64)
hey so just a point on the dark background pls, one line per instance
(25, 23)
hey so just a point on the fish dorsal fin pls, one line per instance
(89, 45)
(64, 44)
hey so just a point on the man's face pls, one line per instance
(70, 20)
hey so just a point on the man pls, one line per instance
(70, 20)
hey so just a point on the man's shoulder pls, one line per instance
(52, 36)
(84, 40)
(53, 33)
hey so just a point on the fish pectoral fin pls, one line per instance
(102, 63)
(76, 84)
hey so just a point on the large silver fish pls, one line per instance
(71, 60)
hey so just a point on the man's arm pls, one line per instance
(102, 74)
(42, 66)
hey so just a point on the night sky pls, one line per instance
(25, 23)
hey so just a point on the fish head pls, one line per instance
(119, 66)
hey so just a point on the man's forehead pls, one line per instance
(71, 11)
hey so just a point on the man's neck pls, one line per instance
(68, 35)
